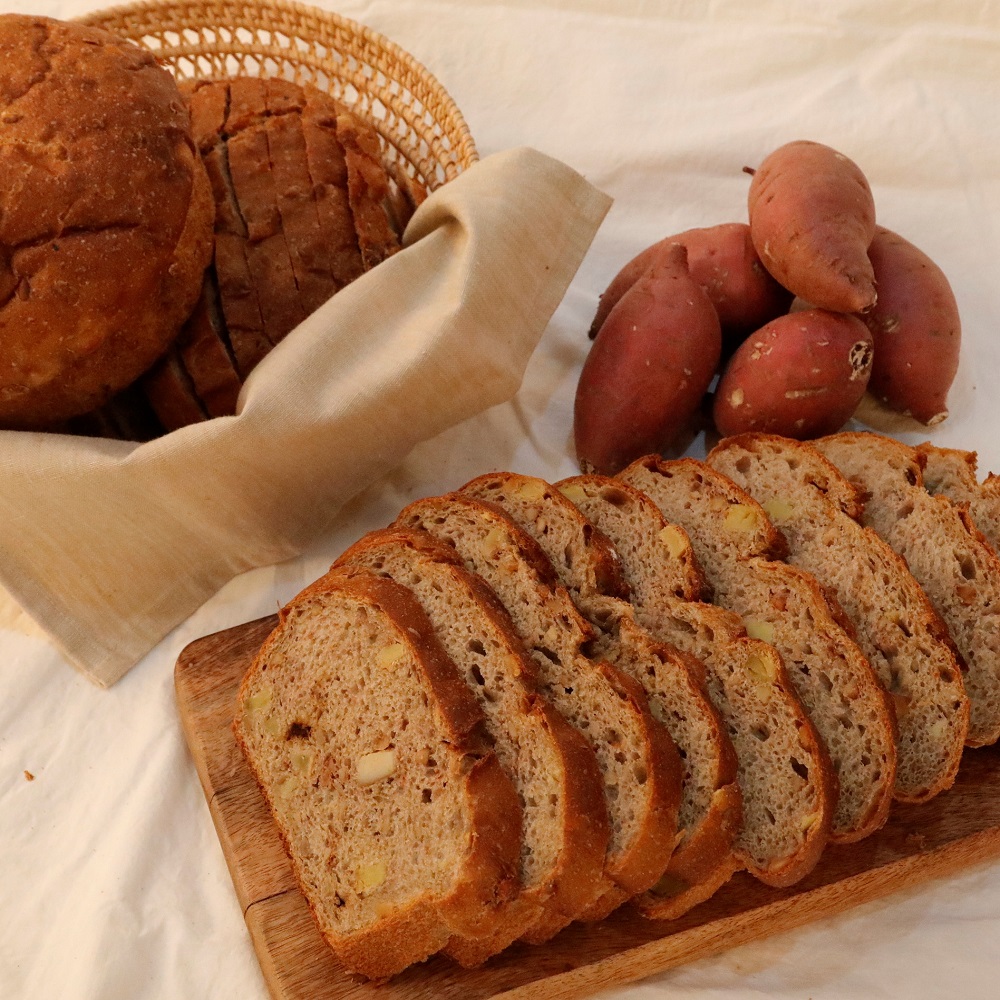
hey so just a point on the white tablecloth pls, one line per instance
(112, 881)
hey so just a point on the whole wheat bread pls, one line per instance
(737, 546)
(953, 473)
(638, 760)
(589, 567)
(783, 771)
(944, 550)
(551, 765)
(370, 749)
(899, 631)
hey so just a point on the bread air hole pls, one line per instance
(966, 566)
(613, 496)
(475, 646)
(799, 768)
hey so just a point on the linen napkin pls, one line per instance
(108, 545)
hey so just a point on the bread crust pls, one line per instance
(105, 218)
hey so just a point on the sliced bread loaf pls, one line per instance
(369, 747)
(896, 626)
(952, 473)
(783, 771)
(637, 758)
(588, 566)
(785, 606)
(551, 764)
(944, 550)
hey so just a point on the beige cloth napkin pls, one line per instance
(108, 545)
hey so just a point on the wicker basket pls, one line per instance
(423, 133)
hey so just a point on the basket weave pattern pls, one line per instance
(424, 135)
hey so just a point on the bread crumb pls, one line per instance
(28, 776)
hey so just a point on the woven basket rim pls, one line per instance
(464, 149)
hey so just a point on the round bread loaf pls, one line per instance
(106, 217)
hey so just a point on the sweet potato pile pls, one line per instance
(797, 313)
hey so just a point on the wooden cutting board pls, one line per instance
(955, 830)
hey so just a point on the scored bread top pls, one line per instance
(105, 217)
(553, 768)
(589, 567)
(783, 771)
(896, 626)
(635, 754)
(370, 749)
(788, 608)
(945, 552)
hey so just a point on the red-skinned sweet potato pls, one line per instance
(812, 219)
(723, 261)
(916, 330)
(649, 367)
(802, 375)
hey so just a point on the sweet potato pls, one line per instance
(723, 261)
(916, 330)
(812, 219)
(802, 375)
(649, 367)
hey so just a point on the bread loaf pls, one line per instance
(735, 543)
(303, 206)
(947, 554)
(105, 218)
(783, 771)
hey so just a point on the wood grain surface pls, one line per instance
(955, 830)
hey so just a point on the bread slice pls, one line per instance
(952, 473)
(783, 771)
(369, 747)
(209, 102)
(256, 192)
(296, 198)
(551, 764)
(899, 631)
(946, 553)
(368, 189)
(588, 566)
(637, 758)
(736, 545)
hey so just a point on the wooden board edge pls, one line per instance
(784, 915)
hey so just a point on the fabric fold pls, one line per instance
(108, 545)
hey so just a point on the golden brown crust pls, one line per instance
(105, 218)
